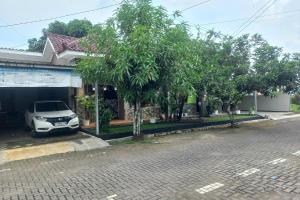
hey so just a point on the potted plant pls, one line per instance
(87, 103)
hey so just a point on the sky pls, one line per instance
(280, 25)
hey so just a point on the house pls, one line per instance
(29, 76)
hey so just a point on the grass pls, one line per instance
(121, 129)
(226, 118)
(295, 108)
(128, 128)
(130, 141)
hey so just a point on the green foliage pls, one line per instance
(235, 67)
(179, 74)
(78, 28)
(129, 53)
(295, 99)
(151, 58)
(75, 28)
(295, 108)
(88, 104)
(105, 113)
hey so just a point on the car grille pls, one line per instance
(54, 120)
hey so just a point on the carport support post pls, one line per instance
(97, 108)
(255, 101)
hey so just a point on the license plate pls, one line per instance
(60, 124)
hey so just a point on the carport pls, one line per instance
(21, 84)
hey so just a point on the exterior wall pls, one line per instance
(280, 103)
(147, 113)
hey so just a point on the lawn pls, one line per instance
(171, 125)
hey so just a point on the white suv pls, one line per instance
(50, 116)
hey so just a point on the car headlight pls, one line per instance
(73, 116)
(40, 118)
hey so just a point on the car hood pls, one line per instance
(62, 113)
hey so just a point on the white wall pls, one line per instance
(281, 103)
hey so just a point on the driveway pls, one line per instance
(255, 161)
(17, 144)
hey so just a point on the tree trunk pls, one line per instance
(181, 105)
(137, 113)
(200, 104)
(165, 104)
(231, 116)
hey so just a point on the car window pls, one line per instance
(50, 106)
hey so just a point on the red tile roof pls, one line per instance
(61, 43)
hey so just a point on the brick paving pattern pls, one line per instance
(243, 163)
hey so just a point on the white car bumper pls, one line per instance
(55, 126)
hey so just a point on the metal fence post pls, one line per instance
(97, 108)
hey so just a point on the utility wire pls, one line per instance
(82, 12)
(253, 20)
(58, 17)
(260, 11)
(195, 5)
(244, 18)
(251, 17)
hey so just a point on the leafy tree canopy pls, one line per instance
(138, 49)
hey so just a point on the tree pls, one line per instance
(225, 63)
(78, 28)
(272, 70)
(75, 28)
(235, 67)
(178, 74)
(129, 43)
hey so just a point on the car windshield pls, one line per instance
(50, 106)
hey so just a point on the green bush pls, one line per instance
(296, 99)
(105, 113)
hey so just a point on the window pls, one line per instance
(50, 106)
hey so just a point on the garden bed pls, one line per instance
(120, 131)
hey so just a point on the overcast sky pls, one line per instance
(279, 29)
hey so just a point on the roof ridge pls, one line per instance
(49, 33)
(7, 48)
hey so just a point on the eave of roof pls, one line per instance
(37, 65)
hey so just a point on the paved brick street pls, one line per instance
(255, 161)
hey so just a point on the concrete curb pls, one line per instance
(188, 130)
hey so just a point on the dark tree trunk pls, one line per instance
(200, 104)
(181, 102)
(164, 105)
(230, 115)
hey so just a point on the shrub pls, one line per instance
(296, 99)
(105, 113)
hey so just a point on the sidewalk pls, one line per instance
(278, 115)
